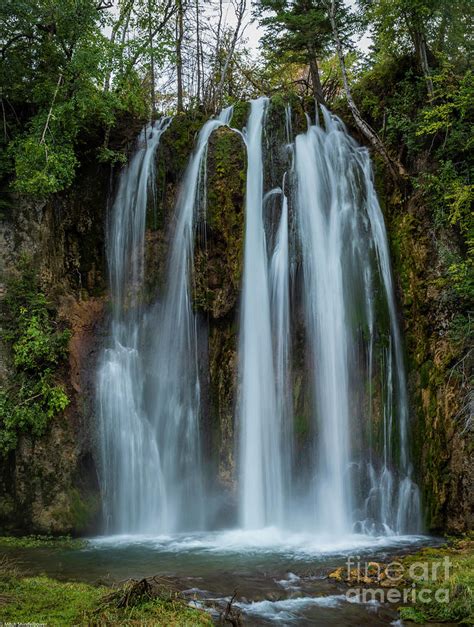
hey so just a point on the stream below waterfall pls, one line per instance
(279, 578)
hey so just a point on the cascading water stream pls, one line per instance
(322, 217)
(323, 225)
(353, 484)
(131, 496)
(175, 389)
(406, 502)
(149, 399)
(342, 233)
(279, 277)
(261, 473)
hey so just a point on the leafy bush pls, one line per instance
(39, 348)
(43, 168)
(449, 187)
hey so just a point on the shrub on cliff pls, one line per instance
(39, 350)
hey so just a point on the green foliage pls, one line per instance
(56, 87)
(460, 586)
(298, 34)
(402, 114)
(40, 541)
(41, 169)
(39, 349)
(449, 188)
(43, 600)
(400, 26)
(106, 155)
(451, 196)
(435, 142)
(452, 112)
(461, 330)
(292, 27)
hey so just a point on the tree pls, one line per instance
(51, 66)
(119, 28)
(427, 28)
(142, 40)
(240, 11)
(61, 76)
(301, 32)
(179, 52)
(394, 166)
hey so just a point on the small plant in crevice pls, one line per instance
(32, 396)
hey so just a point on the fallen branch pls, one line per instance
(133, 592)
(231, 615)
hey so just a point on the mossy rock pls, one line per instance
(223, 341)
(218, 262)
(240, 114)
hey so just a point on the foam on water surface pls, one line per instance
(266, 540)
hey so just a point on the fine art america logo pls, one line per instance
(422, 582)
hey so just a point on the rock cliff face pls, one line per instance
(218, 274)
(49, 484)
(437, 366)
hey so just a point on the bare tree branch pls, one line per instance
(240, 11)
(51, 109)
(169, 11)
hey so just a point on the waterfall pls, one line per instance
(344, 243)
(148, 386)
(260, 459)
(174, 396)
(354, 483)
(317, 293)
(280, 319)
(324, 219)
(406, 498)
(132, 492)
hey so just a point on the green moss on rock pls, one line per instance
(240, 115)
(219, 254)
(440, 448)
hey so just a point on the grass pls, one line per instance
(43, 600)
(48, 601)
(460, 584)
(37, 542)
(438, 582)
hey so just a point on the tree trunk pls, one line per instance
(315, 78)
(179, 55)
(152, 62)
(442, 31)
(122, 42)
(425, 67)
(122, 19)
(168, 12)
(418, 38)
(211, 100)
(43, 135)
(198, 54)
(240, 16)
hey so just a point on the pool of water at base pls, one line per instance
(277, 577)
